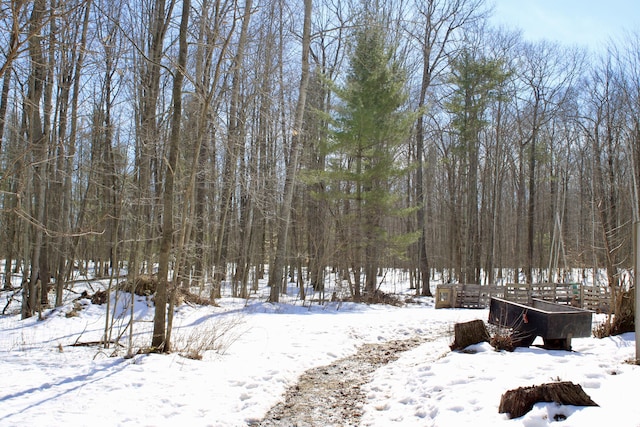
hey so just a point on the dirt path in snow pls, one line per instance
(331, 395)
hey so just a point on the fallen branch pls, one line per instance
(92, 343)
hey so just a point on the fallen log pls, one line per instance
(469, 333)
(518, 402)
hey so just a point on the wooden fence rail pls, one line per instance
(595, 298)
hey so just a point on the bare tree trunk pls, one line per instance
(4, 95)
(37, 140)
(231, 157)
(531, 205)
(316, 203)
(9, 229)
(283, 220)
(12, 202)
(424, 287)
(495, 183)
(162, 336)
(67, 254)
(208, 72)
(148, 132)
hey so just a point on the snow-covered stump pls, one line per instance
(518, 402)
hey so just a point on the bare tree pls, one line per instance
(14, 29)
(156, 18)
(547, 72)
(442, 22)
(604, 128)
(69, 94)
(235, 130)
(38, 142)
(161, 333)
(629, 80)
(275, 272)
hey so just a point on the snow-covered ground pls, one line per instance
(263, 348)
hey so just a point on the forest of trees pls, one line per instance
(218, 142)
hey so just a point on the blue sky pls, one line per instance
(587, 23)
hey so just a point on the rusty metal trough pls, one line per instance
(557, 324)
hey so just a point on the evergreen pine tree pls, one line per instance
(370, 126)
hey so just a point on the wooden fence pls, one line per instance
(595, 298)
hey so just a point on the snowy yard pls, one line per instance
(48, 381)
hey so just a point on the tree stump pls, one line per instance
(625, 312)
(521, 400)
(469, 333)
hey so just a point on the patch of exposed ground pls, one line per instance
(331, 395)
